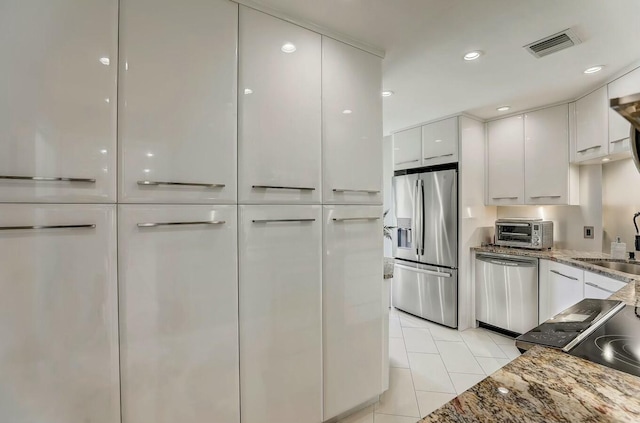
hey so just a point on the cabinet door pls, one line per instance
(59, 325)
(58, 103)
(407, 149)
(351, 312)
(565, 288)
(440, 142)
(178, 313)
(280, 313)
(592, 114)
(279, 103)
(546, 151)
(352, 124)
(177, 114)
(619, 127)
(598, 286)
(506, 161)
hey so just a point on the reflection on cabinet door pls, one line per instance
(59, 324)
(178, 313)
(58, 103)
(280, 254)
(440, 142)
(352, 142)
(619, 127)
(505, 145)
(177, 114)
(407, 149)
(279, 126)
(351, 312)
(592, 116)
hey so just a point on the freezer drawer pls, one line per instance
(426, 291)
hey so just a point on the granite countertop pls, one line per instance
(546, 385)
(388, 267)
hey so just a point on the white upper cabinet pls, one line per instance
(279, 103)
(407, 149)
(352, 124)
(59, 325)
(440, 142)
(505, 140)
(58, 103)
(177, 105)
(546, 152)
(592, 134)
(619, 127)
(178, 291)
(280, 256)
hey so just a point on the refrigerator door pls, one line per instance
(405, 191)
(438, 237)
(426, 291)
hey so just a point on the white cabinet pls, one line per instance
(407, 149)
(592, 133)
(280, 255)
(440, 142)
(58, 103)
(619, 127)
(177, 102)
(351, 307)
(505, 140)
(602, 287)
(178, 313)
(561, 286)
(59, 325)
(279, 104)
(352, 124)
(549, 178)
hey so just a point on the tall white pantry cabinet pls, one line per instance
(190, 216)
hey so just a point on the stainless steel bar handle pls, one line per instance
(421, 215)
(438, 157)
(563, 275)
(344, 219)
(504, 263)
(546, 196)
(188, 184)
(595, 147)
(156, 224)
(15, 228)
(368, 191)
(281, 220)
(414, 219)
(280, 187)
(505, 198)
(408, 161)
(617, 141)
(47, 179)
(599, 287)
(426, 272)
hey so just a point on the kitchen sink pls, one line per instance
(632, 268)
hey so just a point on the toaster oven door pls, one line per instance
(514, 233)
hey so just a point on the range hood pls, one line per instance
(629, 108)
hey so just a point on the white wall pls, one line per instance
(621, 199)
(387, 189)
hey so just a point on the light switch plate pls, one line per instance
(588, 232)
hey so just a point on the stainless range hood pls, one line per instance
(629, 108)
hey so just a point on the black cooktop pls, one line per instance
(616, 343)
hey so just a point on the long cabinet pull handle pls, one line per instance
(344, 219)
(156, 224)
(505, 198)
(617, 141)
(281, 220)
(547, 196)
(426, 272)
(281, 187)
(599, 287)
(590, 148)
(368, 191)
(438, 157)
(188, 184)
(563, 275)
(16, 228)
(47, 179)
(408, 161)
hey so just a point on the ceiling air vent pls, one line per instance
(553, 43)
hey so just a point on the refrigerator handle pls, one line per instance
(414, 224)
(422, 225)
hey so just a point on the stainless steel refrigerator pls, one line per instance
(425, 281)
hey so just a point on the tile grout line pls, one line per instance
(410, 373)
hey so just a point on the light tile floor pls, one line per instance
(430, 365)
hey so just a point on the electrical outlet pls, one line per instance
(588, 232)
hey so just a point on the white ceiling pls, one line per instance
(425, 40)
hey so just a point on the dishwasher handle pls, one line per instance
(500, 261)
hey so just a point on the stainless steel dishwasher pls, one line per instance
(507, 292)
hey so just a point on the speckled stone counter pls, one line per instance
(546, 385)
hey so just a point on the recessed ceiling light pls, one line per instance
(473, 55)
(593, 69)
(347, 112)
(288, 48)
(147, 170)
(387, 93)
(149, 154)
(438, 141)
(606, 159)
(103, 151)
(104, 61)
(248, 91)
(503, 108)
